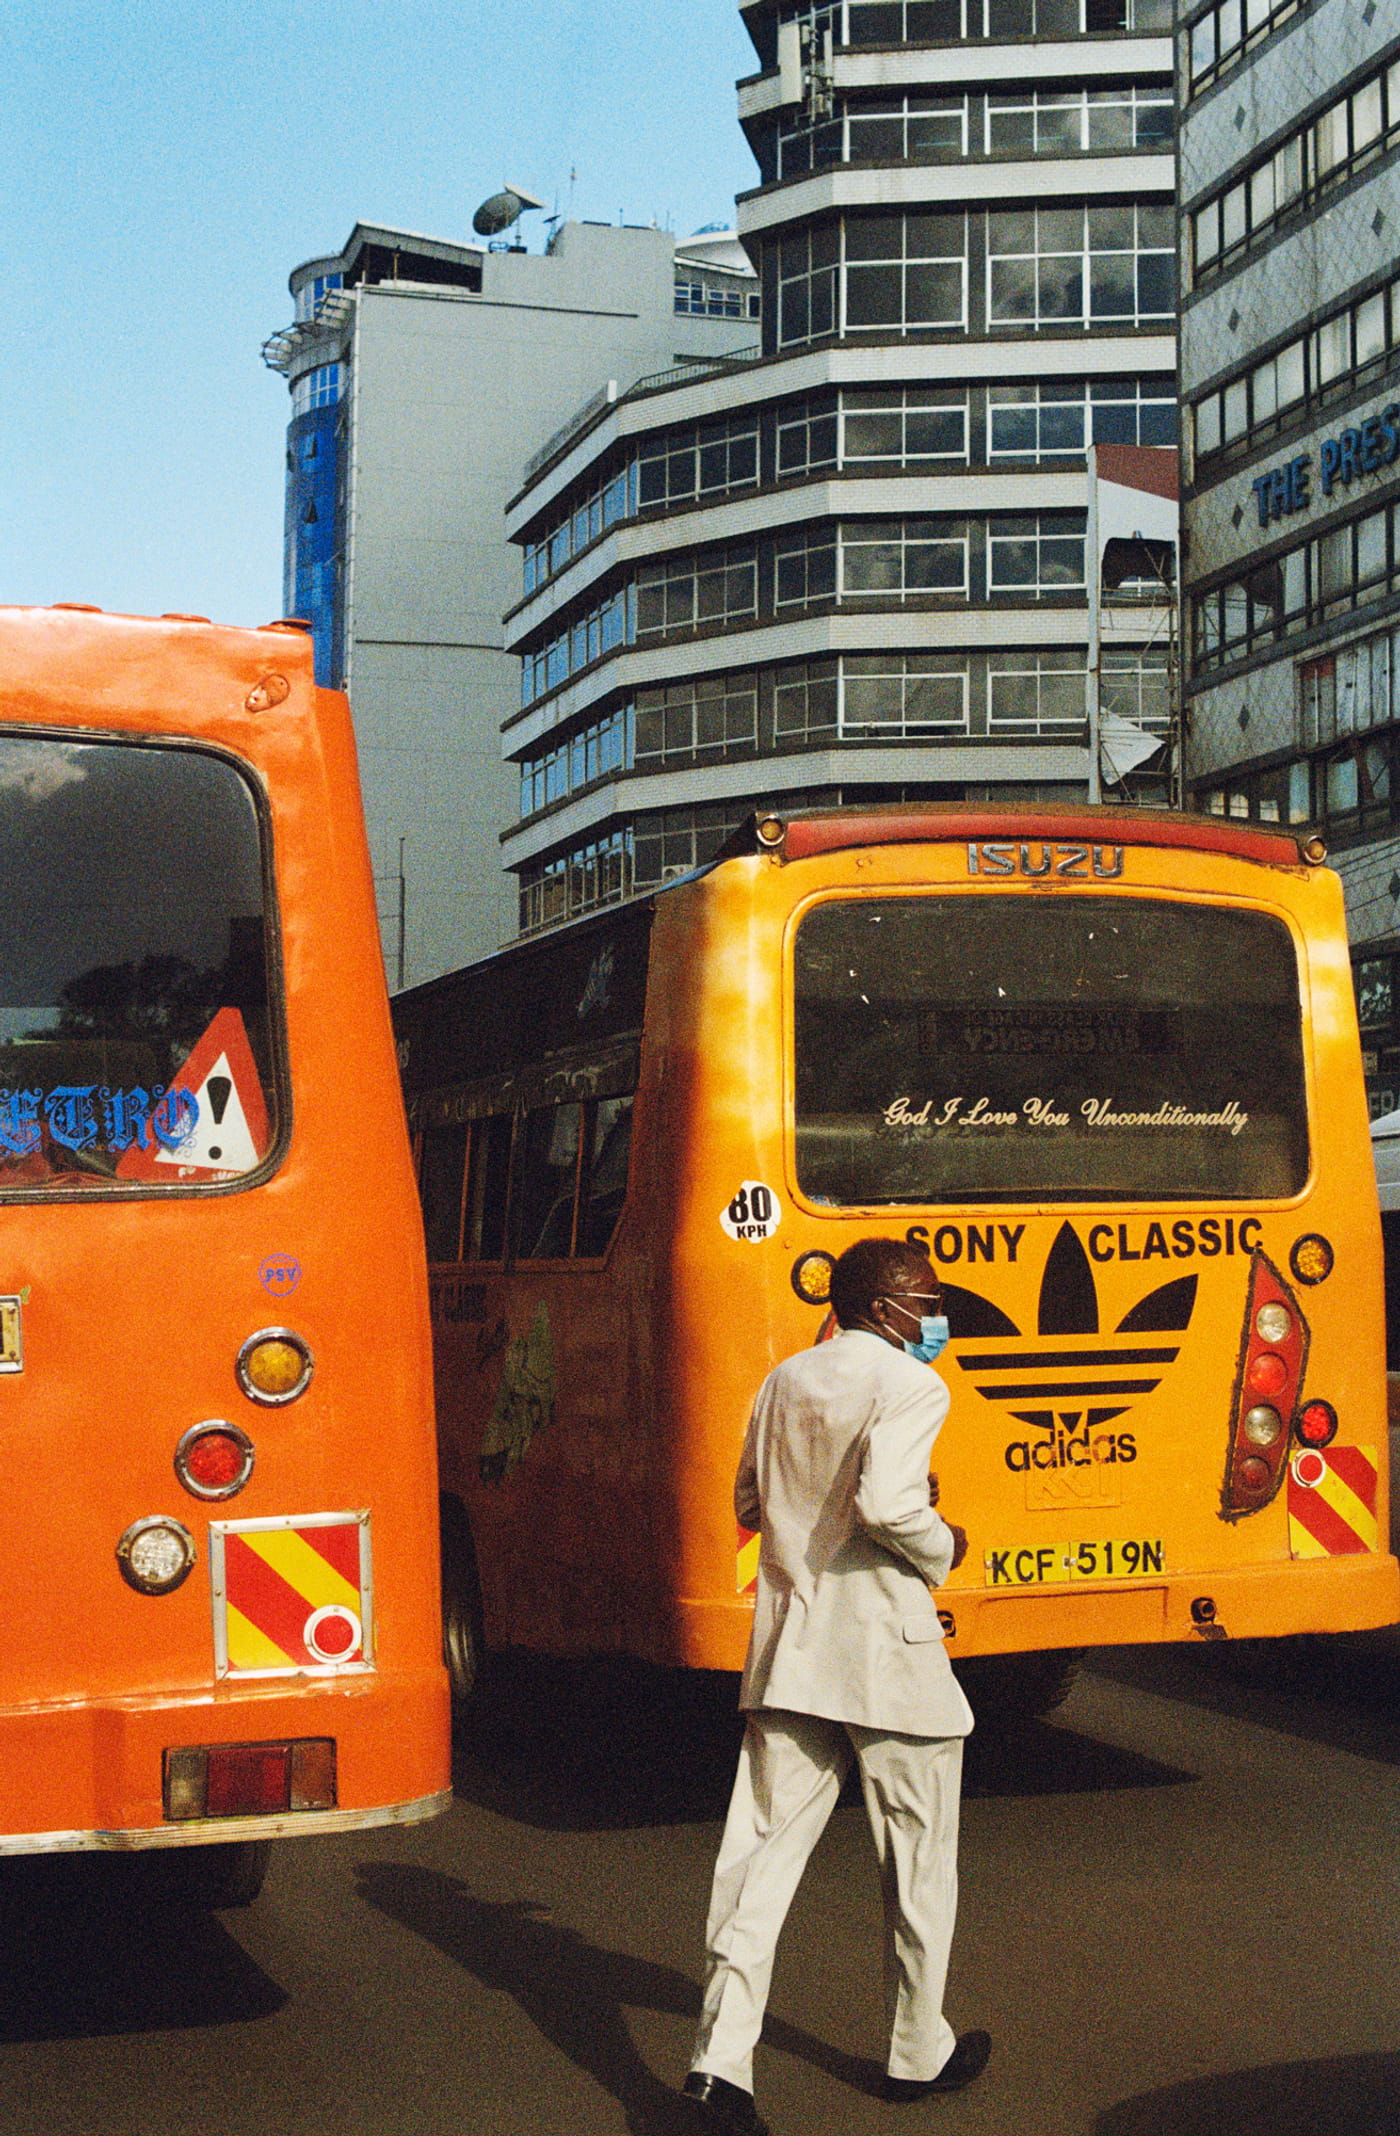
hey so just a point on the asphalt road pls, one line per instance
(1180, 1917)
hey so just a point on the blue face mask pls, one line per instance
(933, 1334)
(933, 1338)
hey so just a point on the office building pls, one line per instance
(851, 565)
(1290, 379)
(422, 375)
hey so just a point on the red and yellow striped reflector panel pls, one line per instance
(291, 1595)
(746, 1561)
(1332, 1501)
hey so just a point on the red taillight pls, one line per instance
(214, 1460)
(1316, 1423)
(1272, 1357)
(249, 1779)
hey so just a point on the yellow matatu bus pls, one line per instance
(1104, 1065)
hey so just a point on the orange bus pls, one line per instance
(1105, 1066)
(218, 1563)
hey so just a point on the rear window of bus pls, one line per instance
(982, 1048)
(135, 1019)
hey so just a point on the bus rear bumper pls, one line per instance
(1335, 1594)
(87, 1778)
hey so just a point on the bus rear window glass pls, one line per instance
(135, 1021)
(486, 1189)
(965, 1049)
(607, 1183)
(441, 1167)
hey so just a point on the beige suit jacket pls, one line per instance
(834, 1473)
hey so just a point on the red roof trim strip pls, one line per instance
(806, 836)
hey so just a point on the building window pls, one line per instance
(688, 592)
(561, 767)
(1080, 266)
(1077, 122)
(899, 558)
(805, 701)
(672, 841)
(804, 566)
(1037, 692)
(582, 880)
(311, 293)
(320, 388)
(808, 267)
(807, 435)
(593, 632)
(903, 426)
(1058, 418)
(905, 271)
(1036, 554)
(1226, 31)
(1336, 357)
(706, 717)
(1321, 577)
(604, 501)
(1135, 684)
(895, 696)
(1321, 154)
(700, 460)
(732, 298)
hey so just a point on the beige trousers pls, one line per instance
(790, 1771)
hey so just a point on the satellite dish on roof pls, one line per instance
(502, 210)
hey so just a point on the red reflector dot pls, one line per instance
(1268, 1374)
(332, 1633)
(215, 1461)
(1255, 1474)
(1310, 1469)
(1317, 1424)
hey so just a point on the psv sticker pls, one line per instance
(754, 1213)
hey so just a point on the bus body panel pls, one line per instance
(1084, 1528)
(134, 1311)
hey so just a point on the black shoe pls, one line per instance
(963, 2066)
(728, 2108)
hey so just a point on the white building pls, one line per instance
(422, 375)
(853, 567)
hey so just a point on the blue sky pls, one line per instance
(164, 166)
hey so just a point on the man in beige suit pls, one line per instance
(846, 1655)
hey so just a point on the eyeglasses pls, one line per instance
(924, 1297)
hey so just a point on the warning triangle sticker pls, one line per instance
(214, 1116)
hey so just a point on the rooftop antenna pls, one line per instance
(501, 212)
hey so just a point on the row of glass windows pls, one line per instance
(947, 129)
(1332, 359)
(857, 697)
(1319, 578)
(320, 388)
(311, 293)
(881, 429)
(876, 22)
(544, 1185)
(730, 299)
(1064, 266)
(1021, 556)
(561, 768)
(596, 873)
(1349, 791)
(1226, 31)
(1329, 148)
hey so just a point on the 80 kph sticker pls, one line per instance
(753, 1214)
(1053, 1563)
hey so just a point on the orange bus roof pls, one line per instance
(804, 836)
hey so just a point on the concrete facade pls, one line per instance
(1290, 369)
(853, 568)
(423, 374)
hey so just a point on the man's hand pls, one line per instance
(959, 1536)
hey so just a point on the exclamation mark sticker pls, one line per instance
(220, 1088)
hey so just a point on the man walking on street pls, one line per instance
(846, 1655)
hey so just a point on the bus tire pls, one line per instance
(229, 1872)
(463, 1641)
(1007, 1690)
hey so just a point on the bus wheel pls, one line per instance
(463, 1644)
(228, 1873)
(1006, 1690)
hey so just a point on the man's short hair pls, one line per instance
(871, 1269)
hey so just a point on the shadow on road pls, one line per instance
(1357, 2095)
(1340, 1689)
(89, 1947)
(610, 1744)
(575, 1992)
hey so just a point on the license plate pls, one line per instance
(1052, 1564)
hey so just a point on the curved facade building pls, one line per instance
(851, 563)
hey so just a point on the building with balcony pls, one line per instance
(422, 375)
(852, 566)
(1290, 379)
